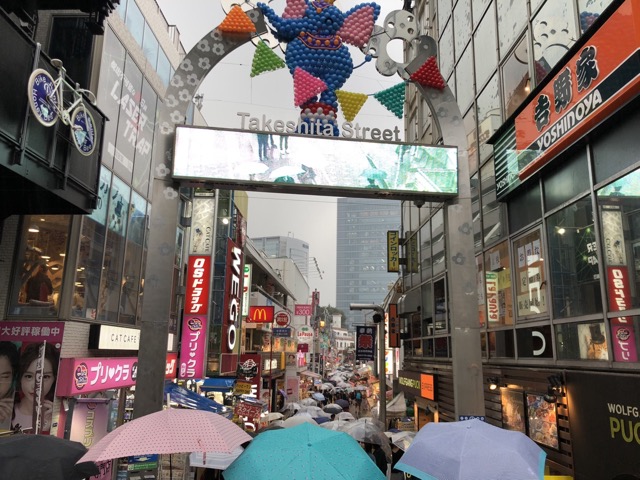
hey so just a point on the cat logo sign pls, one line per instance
(261, 314)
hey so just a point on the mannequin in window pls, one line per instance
(39, 286)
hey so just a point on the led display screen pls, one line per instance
(313, 165)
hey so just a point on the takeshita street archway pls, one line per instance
(242, 27)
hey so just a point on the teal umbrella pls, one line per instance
(304, 452)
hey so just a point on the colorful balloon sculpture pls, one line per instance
(316, 33)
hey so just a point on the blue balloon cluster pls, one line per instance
(315, 46)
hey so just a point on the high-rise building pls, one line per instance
(361, 273)
(286, 247)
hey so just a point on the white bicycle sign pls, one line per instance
(46, 99)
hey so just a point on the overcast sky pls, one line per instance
(229, 89)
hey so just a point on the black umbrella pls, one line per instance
(43, 457)
(343, 403)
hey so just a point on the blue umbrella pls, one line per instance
(471, 450)
(304, 452)
(318, 396)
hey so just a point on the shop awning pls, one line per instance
(190, 399)
(218, 384)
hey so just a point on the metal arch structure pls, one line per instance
(202, 59)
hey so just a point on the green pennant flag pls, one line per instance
(392, 99)
(265, 60)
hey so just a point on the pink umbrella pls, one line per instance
(169, 431)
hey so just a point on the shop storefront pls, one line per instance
(419, 389)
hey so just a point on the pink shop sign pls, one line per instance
(84, 375)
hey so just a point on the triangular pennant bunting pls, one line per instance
(237, 21)
(392, 99)
(351, 103)
(428, 75)
(265, 60)
(306, 86)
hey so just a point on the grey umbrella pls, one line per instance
(43, 457)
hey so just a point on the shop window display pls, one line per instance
(531, 289)
(618, 205)
(38, 283)
(582, 341)
(497, 267)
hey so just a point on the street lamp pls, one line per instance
(378, 318)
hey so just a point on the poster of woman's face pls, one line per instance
(19, 376)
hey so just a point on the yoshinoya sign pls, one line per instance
(594, 83)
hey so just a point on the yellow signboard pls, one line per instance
(393, 251)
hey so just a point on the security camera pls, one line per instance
(418, 203)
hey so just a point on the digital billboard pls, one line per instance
(314, 165)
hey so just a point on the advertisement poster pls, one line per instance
(513, 416)
(543, 427)
(593, 343)
(21, 344)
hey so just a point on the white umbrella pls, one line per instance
(216, 460)
(297, 419)
(292, 406)
(339, 425)
(271, 416)
(315, 412)
(402, 440)
(346, 416)
(305, 402)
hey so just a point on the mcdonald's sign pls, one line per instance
(261, 314)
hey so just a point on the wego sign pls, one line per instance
(233, 294)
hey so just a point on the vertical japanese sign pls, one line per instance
(596, 81)
(28, 384)
(195, 321)
(202, 216)
(365, 342)
(618, 287)
(232, 297)
(394, 326)
(393, 251)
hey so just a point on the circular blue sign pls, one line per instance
(43, 97)
(83, 131)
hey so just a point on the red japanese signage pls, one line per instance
(248, 410)
(394, 326)
(232, 296)
(622, 330)
(260, 314)
(197, 291)
(596, 81)
(303, 310)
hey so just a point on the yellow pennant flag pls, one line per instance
(351, 103)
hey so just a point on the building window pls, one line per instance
(573, 261)
(554, 32)
(485, 46)
(531, 284)
(515, 77)
(512, 17)
(489, 116)
(497, 267)
(590, 10)
(582, 341)
(38, 281)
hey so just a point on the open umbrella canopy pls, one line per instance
(304, 452)
(315, 412)
(293, 406)
(305, 402)
(333, 408)
(318, 397)
(218, 461)
(43, 457)
(402, 440)
(338, 425)
(369, 432)
(470, 450)
(170, 431)
(343, 403)
(346, 416)
(271, 416)
(297, 419)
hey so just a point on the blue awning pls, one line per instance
(219, 384)
(190, 399)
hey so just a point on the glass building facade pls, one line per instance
(362, 275)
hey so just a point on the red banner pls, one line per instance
(197, 291)
(232, 297)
